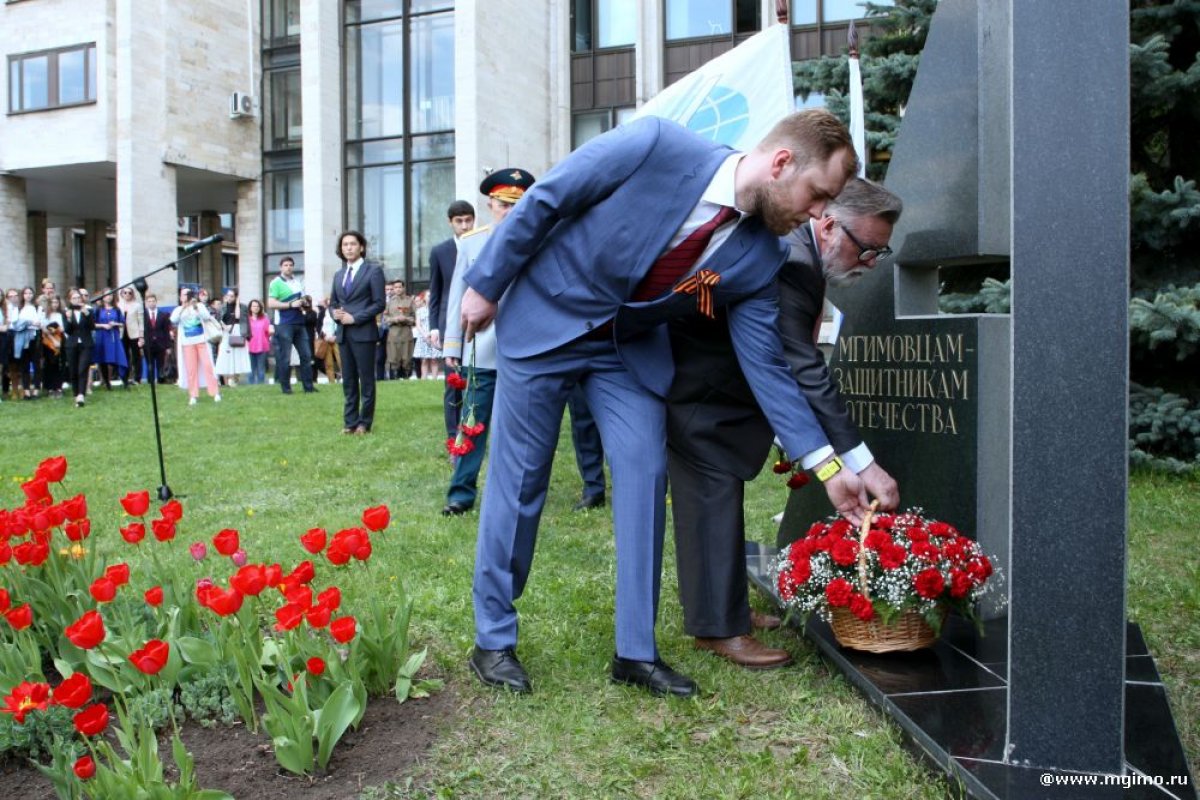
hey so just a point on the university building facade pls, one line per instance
(132, 128)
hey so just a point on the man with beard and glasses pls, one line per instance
(641, 225)
(718, 438)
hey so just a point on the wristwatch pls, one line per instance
(831, 468)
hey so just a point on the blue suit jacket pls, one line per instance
(570, 254)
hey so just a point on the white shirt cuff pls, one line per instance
(858, 459)
(810, 460)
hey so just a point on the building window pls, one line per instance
(804, 12)
(284, 191)
(399, 78)
(688, 19)
(590, 124)
(842, 10)
(283, 26)
(52, 79)
(596, 24)
(284, 122)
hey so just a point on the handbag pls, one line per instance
(321, 348)
(52, 339)
(213, 331)
(236, 339)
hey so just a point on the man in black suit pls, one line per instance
(357, 299)
(717, 438)
(442, 258)
(78, 326)
(156, 338)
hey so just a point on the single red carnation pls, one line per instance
(861, 607)
(892, 556)
(844, 552)
(877, 539)
(929, 583)
(456, 381)
(781, 467)
(838, 592)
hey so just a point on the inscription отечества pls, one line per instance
(904, 382)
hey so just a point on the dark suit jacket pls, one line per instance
(441, 270)
(713, 417)
(158, 331)
(364, 300)
(78, 334)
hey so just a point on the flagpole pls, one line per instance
(858, 127)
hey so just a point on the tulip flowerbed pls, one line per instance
(98, 660)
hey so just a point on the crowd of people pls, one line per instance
(52, 343)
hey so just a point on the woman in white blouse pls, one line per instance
(191, 340)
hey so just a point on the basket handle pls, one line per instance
(862, 547)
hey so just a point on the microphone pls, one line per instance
(203, 243)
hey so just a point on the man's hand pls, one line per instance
(435, 339)
(343, 316)
(477, 313)
(881, 486)
(847, 494)
(452, 363)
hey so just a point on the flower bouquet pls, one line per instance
(887, 586)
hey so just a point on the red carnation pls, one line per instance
(797, 480)
(861, 607)
(53, 469)
(929, 583)
(75, 508)
(456, 381)
(918, 534)
(164, 529)
(315, 666)
(85, 767)
(172, 510)
(152, 657)
(74, 692)
(838, 592)
(92, 720)
(980, 568)
(891, 556)
(134, 532)
(154, 596)
(781, 467)
(844, 552)
(136, 504)
(118, 574)
(20, 617)
(226, 542)
(376, 518)
(801, 571)
(314, 540)
(288, 617)
(87, 631)
(960, 584)
(343, 629)
(817, 529)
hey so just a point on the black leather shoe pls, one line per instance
(454, 509)
(654, 676)
(589, 501)
(500, 668)
(287, 391)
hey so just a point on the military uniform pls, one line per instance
(400, 318)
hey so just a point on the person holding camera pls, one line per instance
(191, 340)
(285, 296)
(77, 343)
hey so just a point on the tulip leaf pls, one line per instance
(333, 719)
(197, 651)
(288, 754)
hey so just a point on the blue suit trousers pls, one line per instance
(531, 394)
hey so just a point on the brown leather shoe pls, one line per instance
(763, 621)
(746, 651)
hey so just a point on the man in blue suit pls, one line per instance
(357, 298)
(641, 225)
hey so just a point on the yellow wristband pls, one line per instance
(831, 468)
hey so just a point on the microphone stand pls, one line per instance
(139, 283)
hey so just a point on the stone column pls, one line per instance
(58, 259)
(95, 254)
(321, 96)
(649, 69)
(209, 260)
(248, 225)
(16, 268)
(146, 203)
(36, 223)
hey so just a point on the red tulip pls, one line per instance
(226, 542)
(314, 540)
(57, 515)
(31, 553)
(74, 692)
(92, 720)
(250, 580)
(273, 575)
(5, 601)
(26, 697)
(87, 631)
(331, 598)
(53, 469)
(171, 510)
(164, 529)
(224, 602)
(75, 508)
(288, 617)
(315, 666)
(5, 552)
(20, 617)
(303, 573)
(136, 504)
(151, 658)
(37, 492)
(78, 531)
(343, 629)
(376, 518)
(338, 552)
(118, 574)
(103, 590)
(85, 768)
(154, 596)
(318, 616)
(134, 532)
(300, 596)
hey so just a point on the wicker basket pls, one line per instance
(906, 633)
(909, 632)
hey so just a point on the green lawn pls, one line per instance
(273, 466)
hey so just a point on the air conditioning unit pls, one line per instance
(242, 105)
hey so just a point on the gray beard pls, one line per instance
(840, 279)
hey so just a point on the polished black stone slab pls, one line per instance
(952, 702)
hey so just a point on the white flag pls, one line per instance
(735, 98)
(858, 126)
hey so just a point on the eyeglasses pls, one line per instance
(867, 253)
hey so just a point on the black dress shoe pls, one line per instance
(287, 391)
(589, 501)
(500, 668)
(654, 676)
(454, 509)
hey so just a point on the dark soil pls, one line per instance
(391, 738)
